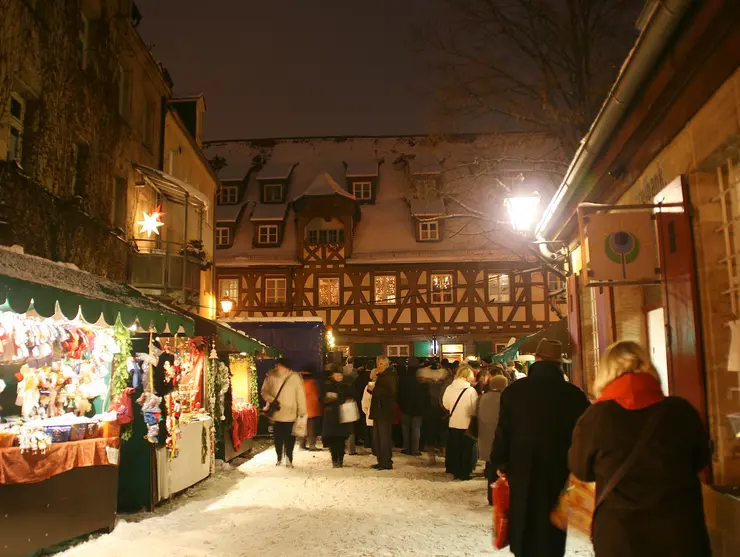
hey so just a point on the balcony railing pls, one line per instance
(158, 265)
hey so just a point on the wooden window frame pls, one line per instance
(224, 199)
(318, 291)
(365, 186)
(16, 123)
(272, 186)
(395, 297)
(398, 354)
(268, 241)
(432, 292)
(233, 295)
(276, 303)
(491, 275)
(219, 232)
(429, 223)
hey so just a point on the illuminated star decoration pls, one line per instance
(151, 223)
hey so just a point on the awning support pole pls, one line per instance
(185, 253)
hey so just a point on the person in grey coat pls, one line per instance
(488, 410)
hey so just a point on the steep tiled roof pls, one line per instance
(322, 185)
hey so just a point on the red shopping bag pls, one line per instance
(501, 502)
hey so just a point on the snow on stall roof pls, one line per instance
(269, 211)
(229, 213)
(362, 168)
(324, 184)
(427, 207)
(276, 171)
(64, 276)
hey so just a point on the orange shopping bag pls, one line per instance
(575, 509)
(501, 502)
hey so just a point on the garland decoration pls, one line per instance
(120, 375)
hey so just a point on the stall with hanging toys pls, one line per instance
(64, 341)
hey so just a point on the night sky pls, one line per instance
(282, 68)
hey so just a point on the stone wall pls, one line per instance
(51, 227)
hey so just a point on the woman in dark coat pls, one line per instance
(656, 508)
(337, 391)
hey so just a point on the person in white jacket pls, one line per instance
(460, 399)
(367, 400)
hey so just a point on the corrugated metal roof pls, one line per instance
(269, 211)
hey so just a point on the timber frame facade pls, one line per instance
(360, 264)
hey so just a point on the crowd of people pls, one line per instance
(643, 450)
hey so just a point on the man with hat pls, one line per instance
(536, 421)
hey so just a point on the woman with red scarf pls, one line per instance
(644, 451)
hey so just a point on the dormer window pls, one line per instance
(429, 231)
(223, 236)
(272, 193)
(362, 190)
(323, 232)
(228, 195)
(268, 234)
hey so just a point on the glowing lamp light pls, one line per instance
(227, 305)
(435, 345)
(151, 223)
(522, 211)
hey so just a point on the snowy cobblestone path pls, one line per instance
(314, 510)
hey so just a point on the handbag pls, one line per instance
(274, 406)
(501, 503)
(578, 504)
(300, 427)
(348, 412)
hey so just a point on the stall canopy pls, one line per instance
(230, 339)
(171, 187)
(528, 344)
(30, 283)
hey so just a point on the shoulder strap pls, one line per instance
(280, 390)
(621, 472)
(458, 400)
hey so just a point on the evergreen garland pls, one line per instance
(120, 376)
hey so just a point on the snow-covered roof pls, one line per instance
(425, 166)
(362, 168)
(229, 213)
(269, 211)
(386, 230)
(324, 184)
(427, 207)
(276, 171)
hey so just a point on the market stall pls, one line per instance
(63, 354)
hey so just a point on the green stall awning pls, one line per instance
(367, 349)
(510, 352)
(422, 349)
(32, 283)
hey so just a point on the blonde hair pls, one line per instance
(620, 359)
(383, 359)
(465, 372)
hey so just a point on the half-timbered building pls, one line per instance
(400, 244)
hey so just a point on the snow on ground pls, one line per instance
(259, 509)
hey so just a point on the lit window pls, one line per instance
(273, 193)
(267, 234)
(499, 289)
(223, 236)
(428, 231)
(362, 190)
(442, 289)
(82, 40)
(17, 114)
(275, 291)
(228, 288)
(227, 195)
(329, 291)
(385, 289)
(398, 350)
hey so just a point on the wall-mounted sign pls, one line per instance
(622, 247)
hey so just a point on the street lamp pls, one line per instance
(227, 304)
(522, 211)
